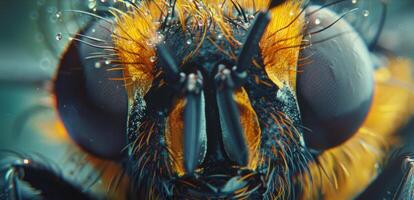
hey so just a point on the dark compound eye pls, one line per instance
(93, 108)
(335, 87)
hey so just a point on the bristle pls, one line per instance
(135, 25)
(287, 21)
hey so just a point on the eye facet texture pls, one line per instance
(335, 87)
(93, 108)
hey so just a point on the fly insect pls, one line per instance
(268, 99)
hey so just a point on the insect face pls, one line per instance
(212, 107)
(215, 125)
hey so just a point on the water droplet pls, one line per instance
(365, 13)
(58, 14)
(317, 21)
(219, 36)
(59, 36)
(107, 62)
(189, 41)
(377, 166)
(354, 1)
(93, 30)
(91, 4)
(45, 64)
(97, 65)
(153, 58)
(160, 37)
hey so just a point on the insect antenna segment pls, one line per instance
(191, 85)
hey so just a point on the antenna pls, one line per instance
(191, 85)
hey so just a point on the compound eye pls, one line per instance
(92, 107)
(335, 87)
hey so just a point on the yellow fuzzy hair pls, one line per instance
(174, 135)
(344, 171)
(281, 44)
(250, 124)
(174, 131)
(135, 33)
